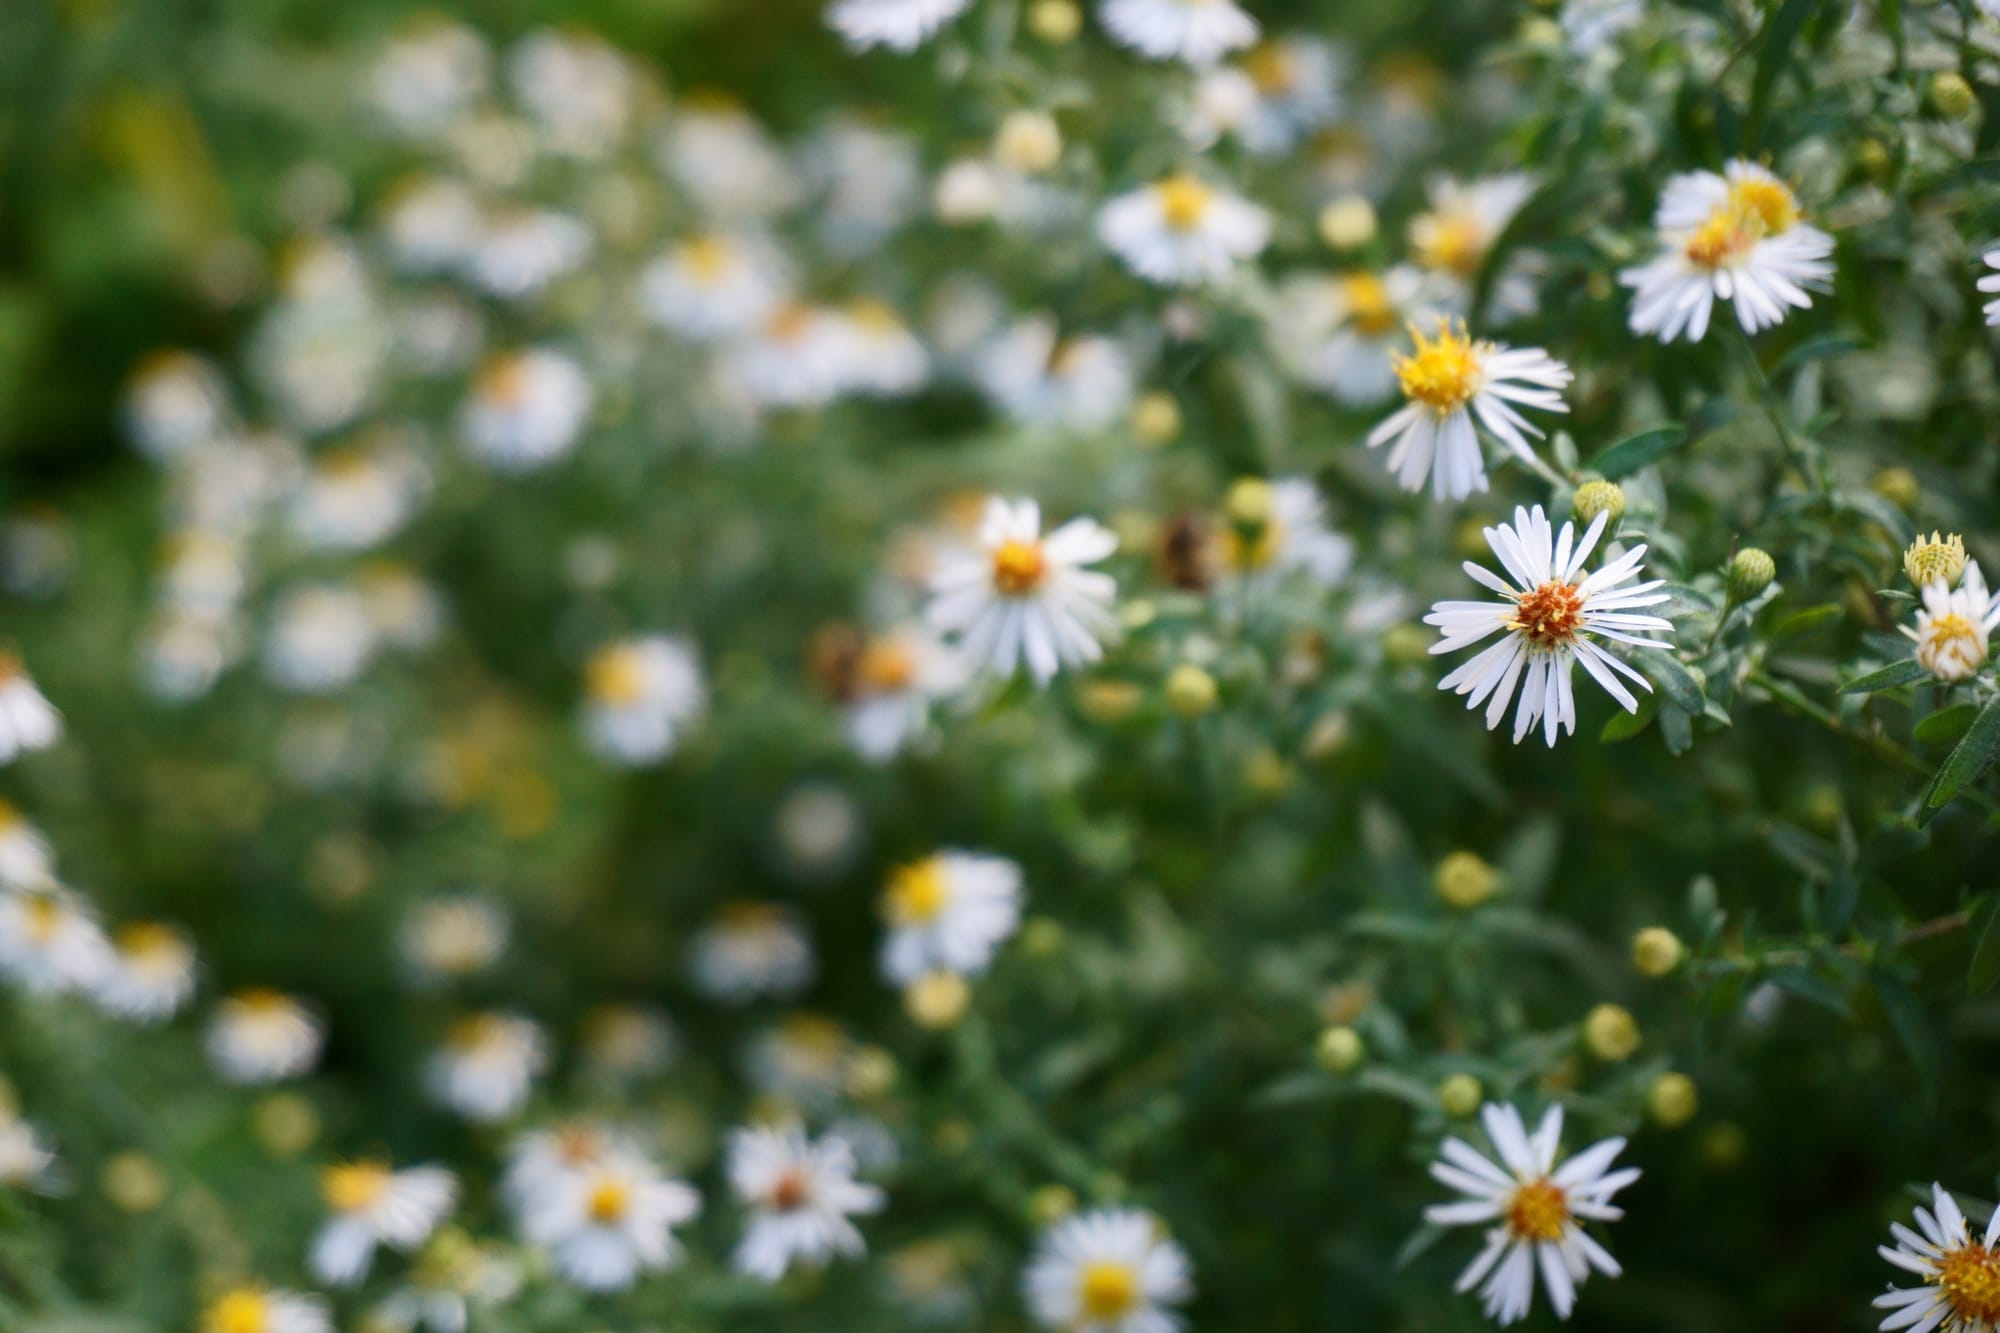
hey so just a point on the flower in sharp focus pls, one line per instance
(749, 950)
(1738, 237)
(900, 25)
(1961, 1276)
(1537, 1207)
(151, 973)
(487, 1064)
(801, 1194)
(1935, 559)
(263, 1036)
(1108, 1271)
(640, 694)
(1181, 231)
(1020, 597)
(949, 911)
(1451, 382)
(27, 720)
(265, 1310)
(368, 1205)
(1954, 626)
(1550, 618)
(1199, 32)
(609, 1220)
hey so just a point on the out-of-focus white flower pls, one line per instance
(430, 74)
(26, 1161)
(37, 552)
(429, 225)
(262, 1036)
(628, 1041)
(869, 180)
(405, 609)
(521, 251)
(798, 357)
(174, 402)
(1341, 333)
(1592, 25)
(1199, 32)
(1537, 1206)
(1038, 378)
(715, 285)
(948, 912)
(319, 639)
(27, 720)
(1279, 93)
(578, 88)
(151, 973)
(896, 676)
(1112, 1270)
(1456, 233)
(1181, 231)
(900, 25)
(452, 1276)
(883, 358)
(487, 1064)
(369, 1205)
(640, 694)
(1960, 1277)
(727, 163)
(1955, 625)
(1019, 597)
(1292, 536)
(451, 938)
(182, 655)
(610, 1220)
(752, 949)
(201, 573)
(1990, 283)
(50, 941)
(542, 1161)
(801, 1194)
(358, 496)
(526, 409)
(25, 862)
(436, 332)
(1550, 616)
(802, 1059)
(1738, 237)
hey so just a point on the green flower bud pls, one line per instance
(1657, 951)
(1672, 1100)
(1610, 1033)
(1340, 1049)
(1464, 880)
(1951, 96)
(1750, 573)
(1190, 690)
(1460, 1095)
(1598, 497)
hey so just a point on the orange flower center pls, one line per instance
(1550, 615)
(888, 666)
(791, 1191)
(1538, 1211)
(1019, 567)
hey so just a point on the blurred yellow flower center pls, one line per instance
(888, 666)
(1538, 1211)
(262, 1001)
(10, 818)
(44, 917)
(1451, 242)
(874, 317)
(917, 893)
(1969, 1278)
(352, 1186)
(10, 667)
(1019, 567)
(1444, 372)
(1271, 67)
(1184, 201)
(504, 382)
(1106, 1291)
(1950, 647)
(1768, 202)
(616, 676)
(469, 1034)
(789, 323)
(238, 1312)
(609, 1201)
(1549, 615)
(1369, 309)
(707, 257)
(1754, 209)
(1253, 549)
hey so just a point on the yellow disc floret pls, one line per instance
(1445, 371)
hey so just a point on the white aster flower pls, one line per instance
(27, 720)
(151, 974)
(1961, 1276)
(520, 252)
(1112, 1270)
(50, 942)
(725, 160)
(1456, 233)
(628, 1041)
(26, 1161)
(1550, 618)
(25, 862)
(1022, 598)
(1592, 25)
(319, 639)
(182, 655)
(542, 1161)
(452, 1276)
(1451, 382)
(1199, 32)
(1990, 283)
(1738, 237)
(749, 950)
(451, 938)
(948, 912)
(358, 496)
(1272, 99)
(405, 609)
(430, 74)
(869, 180)
(368, 1205)
(1537, 1206)
(640, 694)
(611, 1220)
(265, 1310)
(578, 88)
(525, 409)
(883, 358)
(1039, 378)
(715, 285)
(802, 1059)
(801, 1194)
(429, 225)
(1341, 332)
(175, 402)
(1954, 626)
(896, 677)
(1181, 231)
(1292, 536)
(798, 357)
(900, 25)
(487, 1065)
(262, 1036)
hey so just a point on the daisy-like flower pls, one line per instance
(1536, 1206)
(803, 1059)
(1024, 598)
(752, 949)
(1550, 615)
(522, 251)
(1738, 237)
(1954, 626)
(798, 357)
(948, 912)
(429, 225)
(262, 1036)
(611, 1220)
(1199, 32)
(578, 88)
(27, 720)
(448, 939)
(1454, 236)
(883, 358)
(319, 640)
(176, 401)
(726, 161)
(1341, 333)
(1961, 1276)
(367, 1205)
(1273, 98)
(525, 410)
(1181, 231)
(1040, 378)
(1990, 283)
(715, 285)
(640, 694)
(25, 862)
(50, 942)
(801, 1194)
(541, 1161)
(886, 701)
(265, 1310)
(357, 497)
(452, 1276)
(900, 25)
(1290, 533)
(430, 74)
(1451, 381)
(151, 974)
(26, 1162)
(487, 1065)
(1113, 1270)
(628, 1041)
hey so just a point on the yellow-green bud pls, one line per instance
(1265, 771)
(1460, 1095)
(1041, 937)
(1028, 141)
(1190, 690)
(1656, 951)
(1340, 1049)
(1951, 96)
(937, 1000)
(1050, 1204)
(1156, 417)
(1107, 700)
(134, 1182)
(1598, 497)
(1873, 157)
(1463, 880)
(1249, 503)
(1897, 485)
(1348, 223)
(1750, 572)
(1540, 31)
(1610, 1033)
(285, 1123)
(1934, 558)
(870, 1073)
(1672, 1100)
(1055, 21)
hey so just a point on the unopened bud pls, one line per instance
(1598, 497)
(1750, 572)
(1028, 142)
(1348, 223)
(1464, 880)
(1055, 21)
(937, 1000)
(1191, 691)
(1610, 1033)
(1672, 1100)
(1656, 951)
(1340, 1049)
(1951, 96)
(1460, 1095)
(1935, 559)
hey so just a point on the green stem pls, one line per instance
(1881, 746)
(1767, 399)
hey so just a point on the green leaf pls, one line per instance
(1810, 618)
(1974, 753)
(1828, 348)
(1913, 1032)
(1907, 672)
(1983, 971)
(1774, 56)
(1811, 986)
(1675, 680)
(1623, 726)
(1420, 1240)
(1947, 724)
(1676, 728)
(1636, 451)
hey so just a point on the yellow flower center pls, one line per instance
(1184, 201)
(887, 666)
(1253, 549)
(1538, 1211)
(504, 382)
(10, 818)
(917, 893)
(238, 1312)
(1720, 241)
(352, 1186)
(1969, 1278)
(260, 1001)
(1451, 242)
(10, 667)
(468, 1035)
(874, 317)
(616, 677)
(1444, 372)
(1550, 615)
(1951, 647)
(707, 257)
(1770, 202)
(1106, 1291)
(1369, 309)
(45, 917)
(1271, 67)
(609, 1201)
(1019, 567)
(789, 322)
(1754, 209)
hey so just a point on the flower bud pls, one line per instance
(1750, 572)
(1265, 771)
(1464, 880)
(1672, 1100)
(937, 1000)
(1055, 21)
(1610, 1033)
(1249, 503)
(1460, 1095)
(1656, 951)
(1339, 1050)
(1028, 142)
(1951, 96)
(1598, 497)
(1348, 223)
(1050, 1204)
(1934, 558)
(1041, 937)
(285, 1123)
(1156, 418)
(1897, 485)
(134, 1182)
(869, 1073)
(1190, 690)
